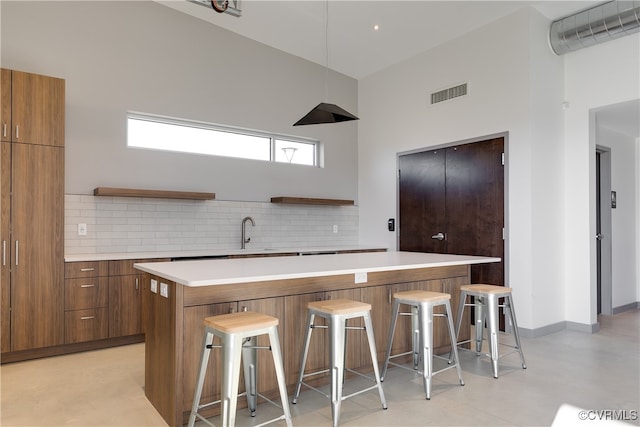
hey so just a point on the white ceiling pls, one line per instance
(407, 28)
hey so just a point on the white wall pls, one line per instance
(600, 75)
(516, 87)
(142, 56)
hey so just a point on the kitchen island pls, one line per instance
(177, 296)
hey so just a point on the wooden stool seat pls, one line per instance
(422, 313)
(339, 306)
(422, 296)
(240, 322)
(485, 289)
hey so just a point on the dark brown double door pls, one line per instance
(452, 201)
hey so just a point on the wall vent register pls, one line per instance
(449, 93)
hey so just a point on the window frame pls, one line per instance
(215, 127)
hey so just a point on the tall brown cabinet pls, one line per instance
(32, 210)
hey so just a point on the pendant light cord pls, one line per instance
(326, 52)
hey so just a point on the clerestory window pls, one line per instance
(186, 136)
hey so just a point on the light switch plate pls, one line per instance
(154, 286)
(164, 290)
(82, 229)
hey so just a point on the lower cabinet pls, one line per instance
(125, 299)
(102, 300)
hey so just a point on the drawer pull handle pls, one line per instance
(87, 269)
(87, 317)
(87, 286)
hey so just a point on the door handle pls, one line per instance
(439, 236)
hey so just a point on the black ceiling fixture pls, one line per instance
(325, 112)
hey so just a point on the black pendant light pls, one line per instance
(325, 112)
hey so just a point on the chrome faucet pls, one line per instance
(246, 240)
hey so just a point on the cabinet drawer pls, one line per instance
(125, 267)
(86, 325)
(85, 269)
(92, 292)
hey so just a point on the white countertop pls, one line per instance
(210, 253)
(243, 270)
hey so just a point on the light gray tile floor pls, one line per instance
(598, 371)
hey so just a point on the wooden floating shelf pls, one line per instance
(158, 194)
(311, 201)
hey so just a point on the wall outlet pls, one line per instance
(154, 286)
(361, 277)
(335, 228)
(82, 229)
(164, 290)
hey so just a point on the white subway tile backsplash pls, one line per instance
(122, 224)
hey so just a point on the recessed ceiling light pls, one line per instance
(376, 27)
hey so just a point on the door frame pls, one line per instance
(604, 262)
(505, 136)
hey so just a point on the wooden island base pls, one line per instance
(174, 327)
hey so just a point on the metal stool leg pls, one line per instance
(303, 362)
(249, 363)
(480, 310)
(425, 317)
(374, 358)
(461, 305)
(337, 325)
(207, 341)
(279, 366)
(454, 347)
(514, 323)
(416, 338)
(493, 331)
(392, 329)
(231, 354)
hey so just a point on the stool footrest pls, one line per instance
(309, 386)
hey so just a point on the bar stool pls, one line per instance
(238, 332)
(486, 301)
(422, 304)
(337, 312)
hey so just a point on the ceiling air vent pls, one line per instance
(449, 93)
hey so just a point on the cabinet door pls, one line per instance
(37, 109)
(295, 329)
(193, 333)
(37, 284)
(266, 378)
(380, 299)
(125, 306)
(5, 106)
(5, 241)
(357, 349)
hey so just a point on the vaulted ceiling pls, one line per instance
(406, 28)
